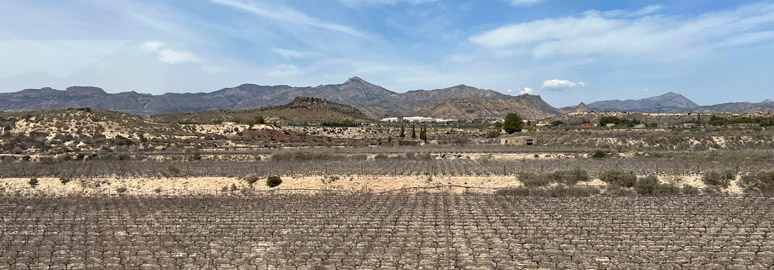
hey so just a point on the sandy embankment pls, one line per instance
(215, 185)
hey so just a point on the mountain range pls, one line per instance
(457, 102)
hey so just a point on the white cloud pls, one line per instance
(526, 90)
(520, 3)
(637, 33)
(293, 53)
(151, 46)
(290, 15)
(556, 84)
(174, 57)
(285, 70)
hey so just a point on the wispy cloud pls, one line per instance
(520, 3)
(168, 56)
(526, 90)
(557, 84)
(290, 15)
(151, 46)
(629, 33)
(293, 53)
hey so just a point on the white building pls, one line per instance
(229, 123)
(417, 119)
(390, 119)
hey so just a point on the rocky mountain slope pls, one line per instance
(527, 106)
(738, 107)
(669, 102)
(246, 96)
(301, 110)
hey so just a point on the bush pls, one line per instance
(619, 178)
(599, 154)
(534, 180)
(49, 160)
(251, 179)
(173, 170)
(65, 180)
(690, 190)
(120, 190)
(33, 182)
(571, 177)
(493, 134)
(513, 191)
(564, 191)
(646, 185)
(615, 190)
(719, 179)
(273, 181)
(666, 190)
(762, 182)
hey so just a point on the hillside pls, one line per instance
(404, 104)
(302, 110)
(246, 96)
(527, 106)
(669, 102)
(738, 107)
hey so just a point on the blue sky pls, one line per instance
(566, 51)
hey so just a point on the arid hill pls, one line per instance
(527, 106)
(302, 110)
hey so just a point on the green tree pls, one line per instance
(513, 123)
(402, 132)
(423, 134)
(413, 131)
(259, 120)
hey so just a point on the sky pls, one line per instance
(711, 51)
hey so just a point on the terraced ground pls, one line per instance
(369, 231)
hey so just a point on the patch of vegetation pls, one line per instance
(120, 190)
(761, 182)
(650, 186)
(513, 123)
(345, 123)
(599, 154)
(617, 121)
(33, 182)
(557, 191)
(65, 179)
(718, 179)
(49, 160)
(619, 178)
(690, 190)
(273, 181)
(532, 180)
(173, 170)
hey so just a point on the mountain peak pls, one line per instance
(768, 101)
(355, 79)
(85, 90)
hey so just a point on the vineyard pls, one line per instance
(369, 231)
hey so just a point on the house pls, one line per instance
(639, 126)
(689, 125)
(543, 123)
(588, 125)
(610, 125)
(229, 123)
(517, 140)
(416, 119)
(389, 119)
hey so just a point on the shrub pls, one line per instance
(33, 182)
(380, 156)
(251, 179)
(233, 187)
(615, 190)
(719, 179)
(493, 134)
(49, 160)
(120, 190)
(564, 191)
(598, 154)
(571, 177)
(762, 182)
(666, 190)
(157, 190)
(65, 180)
(690, 190)
(534, 180)
(619, 178)
(273, 181)
(173, 170)
(646, 185)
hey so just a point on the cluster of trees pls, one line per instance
(720, 121)
(618, 121)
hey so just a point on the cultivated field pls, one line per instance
(387, 231)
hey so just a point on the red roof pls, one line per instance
(587, 125)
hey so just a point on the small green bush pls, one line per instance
(619, 178)
(33, 182)
(120, 190)
(646, 185)
(719, 179)
(615, 190)
(599, 154)
(273, 181)
(690, 190)
(65, 180)
(666, 190)
(571, 177)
